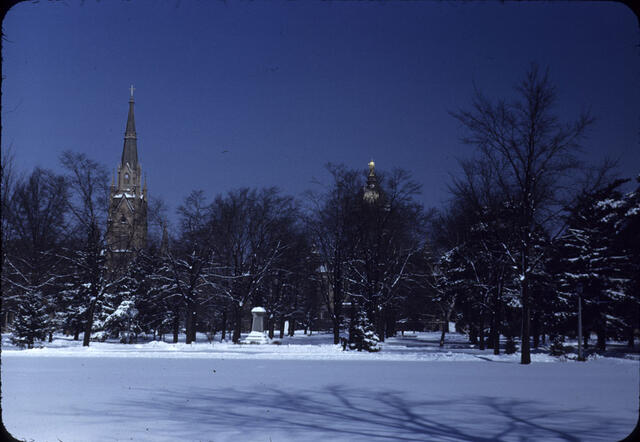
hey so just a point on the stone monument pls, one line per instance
(257, 335)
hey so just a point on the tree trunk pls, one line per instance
(292, 325)
(491, 342)
(51, 337)
(213, 331)
(352, 321)
(272, 326)
(187, 326)
(337, 321)
(281, 326)
(473, 335)
(193, 328)
(444, 326)
(237, 323)
(88, 326)
(630, 337)
(194, 322)
(224, 325)
(381, 323)
(497, 310)
(481, 332)
(176, 326)
(585, 339)
(525, 352)
(76, 333)
(525, 355)
(336, 330)
(191, 319)
(338, 296)
(391, 323)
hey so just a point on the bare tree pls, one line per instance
(249, 238)
(88, 182)
(186, 263)
(157, 219)
(532, 153)
(332, 222)
(8, 178)
(36, 216)
(390, 231)
(93, 276)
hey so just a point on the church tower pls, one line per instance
(127, 220)
(371, 192)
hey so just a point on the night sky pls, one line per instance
(258, 94)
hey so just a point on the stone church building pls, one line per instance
(127, 217)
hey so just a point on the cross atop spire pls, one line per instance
(131, 89)
(130, 149)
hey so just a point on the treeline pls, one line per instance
(248, 247)
(525, 234)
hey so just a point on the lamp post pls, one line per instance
(579, 290)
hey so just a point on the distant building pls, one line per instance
(371, 192)
(127, 218)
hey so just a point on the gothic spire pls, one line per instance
(130, 149)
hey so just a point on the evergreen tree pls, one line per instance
(628, 242)
(596, 261)
(36, 216)
(363, 336)
(31, 320)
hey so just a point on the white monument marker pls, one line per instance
(257, 335)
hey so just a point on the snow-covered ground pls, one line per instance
(307, 389)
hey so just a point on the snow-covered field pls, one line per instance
(307, 389)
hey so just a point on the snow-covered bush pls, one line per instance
(122, 321)
(363, 336)
(99, 336)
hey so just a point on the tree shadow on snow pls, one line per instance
(340, 412)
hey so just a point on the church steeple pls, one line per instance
(127, 220)
(130, 149)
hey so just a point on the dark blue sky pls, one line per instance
(288, 87)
